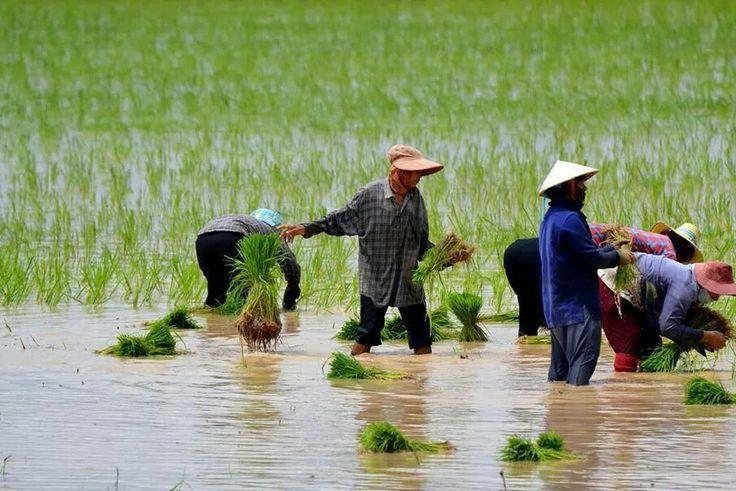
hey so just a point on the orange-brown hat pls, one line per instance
(716, 277)
(404, 157)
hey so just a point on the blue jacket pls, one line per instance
(570, 260)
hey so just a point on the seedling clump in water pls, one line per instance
(383, 437)
(157, 341)
(548, 446)
(347, 367)
(466, 307)
(703, 391)
(178, 318)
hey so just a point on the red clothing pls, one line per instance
(624, 331)
(641, 240)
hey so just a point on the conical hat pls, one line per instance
(565, 171)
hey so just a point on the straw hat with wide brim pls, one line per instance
(407, 158)
(687, 231)
(565, 171)
(716, 277)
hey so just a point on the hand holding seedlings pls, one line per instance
(713, 340)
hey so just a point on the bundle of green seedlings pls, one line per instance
(394, 328)
(383, 437)
(700, 390)
(627, 276)
(347, 367)
(178, 318)
(466, 307)
(548, 446)
(450, 250)
(666, 357)
(257, 273)
(157, 341)
(541, 339)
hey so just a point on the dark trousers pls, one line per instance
(373, 317)
(575, 350)
(213, 251)
(523, 268)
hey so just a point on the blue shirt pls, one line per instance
(570, 260)
(670, 291)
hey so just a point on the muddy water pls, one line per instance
(72, 419)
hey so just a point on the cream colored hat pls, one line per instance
(565, 171)
(687, 231)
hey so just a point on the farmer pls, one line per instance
(668, 291)
(570, 260)
(390, 219)
(523, 267)
(218, 241)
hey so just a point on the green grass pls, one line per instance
(548, 446)
(127, 125)
(344, 366)
(700, 390)
(157, 341)
(383, 437)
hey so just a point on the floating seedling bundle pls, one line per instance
(700, 390)
(666, 357)
(257, 273)
(347, 367)
(157, 341)
(450, 250)
(178, 318)
(466, 307)
(395, 329)
(548, 446)
(383, 437)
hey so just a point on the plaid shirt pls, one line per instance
(392, 239)
(641, 241)
(247, 225)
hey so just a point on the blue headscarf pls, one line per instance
(271, 217)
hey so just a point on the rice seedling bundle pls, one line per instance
(627, 276)
(349, 330)
(157, 341)
(394, 329)
(703, 391)
(178, 318)
(466, 307)
(347, 367)
(543, 339)
(450, 250)
(383, 437)
(257, 271)
(548, 446)
(663, 359)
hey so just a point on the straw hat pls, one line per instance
(408, 158)
(716, 277)
(565, 171)
(687, 231)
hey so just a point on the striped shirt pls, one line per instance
(641, 241)
(247, 225)
(392, 237)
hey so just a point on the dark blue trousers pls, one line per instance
(575, 350)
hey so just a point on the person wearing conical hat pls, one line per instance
(217, 242)
(390, 219)
(570, 260)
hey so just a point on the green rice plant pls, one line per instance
(466, 307)
(257, 270)
(700, 390)
(157, 341)
(663, 359)
(15, 276)
(178, 318)
(627, 276)
(394, 328)
(383, 437)
(548, 446)
(187, 283)
(98, 279)
(349, 330)
(52, 279)
(343, 366)
(543, 339)
(511, 316)
(449, 251)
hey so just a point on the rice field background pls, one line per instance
(125, 126)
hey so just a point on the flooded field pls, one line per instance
(73, 419)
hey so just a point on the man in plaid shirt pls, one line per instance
(390, 220)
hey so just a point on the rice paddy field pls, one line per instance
(125, 126)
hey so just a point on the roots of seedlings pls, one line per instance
(384, 437)
(702, 391)
(347, 367)
(258, 333)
